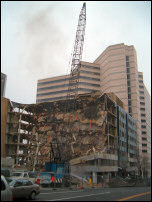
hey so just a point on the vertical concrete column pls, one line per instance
(94, 178)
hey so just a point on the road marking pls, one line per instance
(137, 195)
(78, 196)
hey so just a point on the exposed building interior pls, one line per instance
(86, 137)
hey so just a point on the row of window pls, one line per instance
(90, 67)
(51, 99)
(62, 86)
(64, 91)
(67, 79)
(128, 85)
(89, 78)
(92, 73)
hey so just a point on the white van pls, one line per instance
(6, 193)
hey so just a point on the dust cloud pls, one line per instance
(45, 44)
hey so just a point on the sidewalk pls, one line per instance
(72, 188)
(59, 188)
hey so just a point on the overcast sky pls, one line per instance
(38, 37)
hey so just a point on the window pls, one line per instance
(127, 58)
(142, 98)
(129, 96)
(27, 183)
(129, 89)
(128, 83)
(144, 151)
(144, 139)
(144, 133)
(143, 126)
(144, 145)
(143, 121)
(142, 109)
(140, 76)
(18, 183)
(128, 76)
(127, 63)
(129, 103)
(141, 92)
(130, 111)
(128, 71)
(140, 81)
(141, 86)
(143, 115)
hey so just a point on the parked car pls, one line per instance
(6, 192)
(20, 174)
(44, 178)
(33, 175)
(24, 188)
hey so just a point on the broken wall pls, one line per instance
(73, 134)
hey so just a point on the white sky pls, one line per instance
(38, 37)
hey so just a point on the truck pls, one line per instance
(59, 171)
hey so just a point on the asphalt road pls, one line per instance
(96, 194)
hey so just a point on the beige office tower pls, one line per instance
(145, 110)
(119, 74)
(56, 88)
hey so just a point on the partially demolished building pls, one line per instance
(103, 137)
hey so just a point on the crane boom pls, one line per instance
(77, 55)
(70, 103)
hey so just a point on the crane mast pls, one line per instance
(77, 56)
(70, 103)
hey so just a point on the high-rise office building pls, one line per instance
(56, 88)
(115, 70)
(119, 74)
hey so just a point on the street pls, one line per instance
(96, 194)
